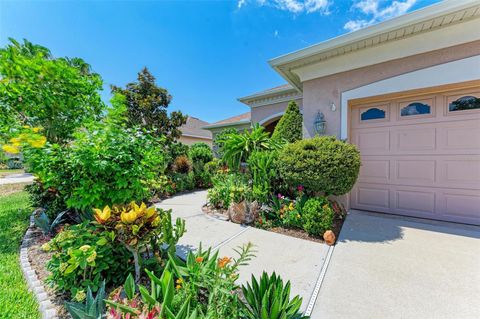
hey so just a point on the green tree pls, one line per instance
(289, 127)
(147, 106)
(37, 89)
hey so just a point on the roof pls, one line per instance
(424, 20)
(281, 93)
(194, 128)
(243, 118)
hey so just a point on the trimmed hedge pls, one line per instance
(321, 164)
(289, 127)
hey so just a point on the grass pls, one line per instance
(6, 172)
(15, 300)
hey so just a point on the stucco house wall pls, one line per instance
(267, 113)
(320, 93)
(189, 140)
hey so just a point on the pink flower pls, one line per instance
(279, 196)
(300, 188)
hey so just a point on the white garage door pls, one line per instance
(420, 155)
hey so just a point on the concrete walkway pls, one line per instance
(397, 267)
(16, 178)
(297, 260)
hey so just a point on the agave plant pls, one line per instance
(270, 299)
(238, 147)
(48, 227)
(94, 308)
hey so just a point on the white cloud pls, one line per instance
(294, 6)
(376, 13)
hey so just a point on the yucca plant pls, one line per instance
(270, 299)
(94, 308)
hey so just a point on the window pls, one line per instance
(464, 103)
(373, 114)
(415, 108)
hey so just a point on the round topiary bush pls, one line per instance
(321, 164)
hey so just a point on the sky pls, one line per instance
(205, 53)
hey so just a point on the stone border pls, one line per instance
(46, 307)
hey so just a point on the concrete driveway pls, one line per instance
(397, 267)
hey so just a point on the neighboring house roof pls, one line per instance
(194, 128)
(243, 118)
(293, 66)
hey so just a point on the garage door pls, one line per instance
(420, 155)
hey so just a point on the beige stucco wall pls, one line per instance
(239, 128)
(261, 113)
(318, 94)
(189, 140)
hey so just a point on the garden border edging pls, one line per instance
(45, 306)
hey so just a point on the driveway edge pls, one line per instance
(318, 285)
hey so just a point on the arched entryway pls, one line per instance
(271, 122)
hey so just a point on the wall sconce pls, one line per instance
(320, 124)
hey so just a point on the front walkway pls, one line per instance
(16, 178)
(398, 267)
(297, 260)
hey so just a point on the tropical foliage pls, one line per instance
(238, 147)
(40, 90)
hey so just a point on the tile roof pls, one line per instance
(194, 127)
(231, 120)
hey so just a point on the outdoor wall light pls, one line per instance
(320, 124)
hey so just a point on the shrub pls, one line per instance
(227, 188)
(321, 164)
(175, 150)
(48, 199)
(289, 128)
(182, 165)
(220, 139)
(200, 152)
(105, 165)
(317, 216)
(182, 182)
(262, 167)
(83, 257)
(238, 147)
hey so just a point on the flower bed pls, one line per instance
(287, 186)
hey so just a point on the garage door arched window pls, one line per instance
(415, 108)
(464, 103)
(373, 113)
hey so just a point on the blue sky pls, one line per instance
(206, 53)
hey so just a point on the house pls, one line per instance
(193, 132)
(407, 93)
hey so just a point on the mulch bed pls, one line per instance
(38, 259)
(293, 232)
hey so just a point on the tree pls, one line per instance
(289, 127)
(147, 106)
(37, 89)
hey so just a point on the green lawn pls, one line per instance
(5, 172)
(15, 300)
